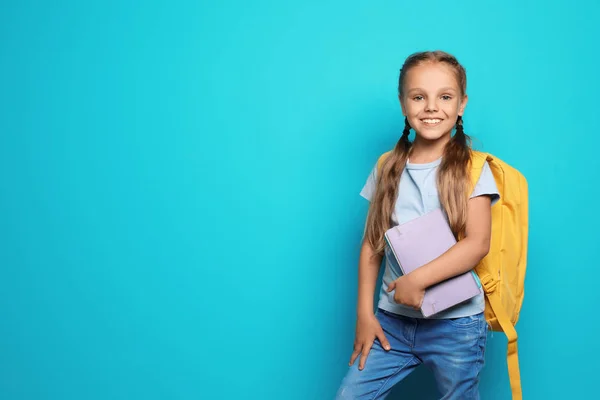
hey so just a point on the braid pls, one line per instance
(459, 125)
(404, 139)
(453, 174)
(380, 214)
(460, 136)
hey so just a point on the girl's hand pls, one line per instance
(367, 330)
(408, 291)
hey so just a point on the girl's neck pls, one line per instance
(425, 151)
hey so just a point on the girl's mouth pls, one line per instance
(431, 121)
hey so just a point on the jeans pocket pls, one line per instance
(469, 321)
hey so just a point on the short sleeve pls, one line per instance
(368, 189)
(486, 185)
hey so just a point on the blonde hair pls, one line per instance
(452, 177)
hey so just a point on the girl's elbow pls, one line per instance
(484, 247)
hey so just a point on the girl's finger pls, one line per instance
(383, 340)
(355, 354)
(364, 355)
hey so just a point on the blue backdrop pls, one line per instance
(179, 188)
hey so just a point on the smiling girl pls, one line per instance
(412, 180)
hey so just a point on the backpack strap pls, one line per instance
(478, 159)
(512, 358)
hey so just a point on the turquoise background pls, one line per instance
(179, 188)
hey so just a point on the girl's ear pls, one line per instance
(463, 104)
(402, 105)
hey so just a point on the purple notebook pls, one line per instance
(421, 240)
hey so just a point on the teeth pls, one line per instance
(431, 121)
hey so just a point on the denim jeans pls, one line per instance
(452, 348)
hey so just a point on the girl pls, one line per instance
(415, 178)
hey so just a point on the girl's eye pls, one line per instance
(446, 97)
(417, 98)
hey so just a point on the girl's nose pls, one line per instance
(431, 105)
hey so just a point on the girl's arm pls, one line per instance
(368, 270)
(465, 254)
(460, 258)
(367, 326)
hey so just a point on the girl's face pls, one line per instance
(432, 100)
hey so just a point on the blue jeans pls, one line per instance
(452, 348)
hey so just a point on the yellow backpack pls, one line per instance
(502, 271)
